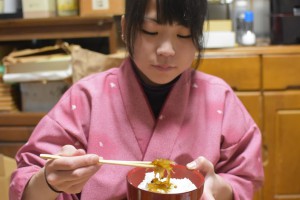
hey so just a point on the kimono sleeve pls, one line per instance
(64, 124)
(240, 161)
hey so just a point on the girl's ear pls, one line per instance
(123, 24)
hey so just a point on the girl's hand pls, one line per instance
(215, 187)
(70, 174)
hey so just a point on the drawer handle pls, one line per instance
(293, 87)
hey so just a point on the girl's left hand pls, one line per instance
(215, 187)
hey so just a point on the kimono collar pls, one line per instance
(167, 126)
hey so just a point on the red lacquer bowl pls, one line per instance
(137, 175)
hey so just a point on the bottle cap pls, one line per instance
(248, 16)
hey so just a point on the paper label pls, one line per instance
(100, 4)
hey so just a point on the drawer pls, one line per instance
(281, 72)
(241, 73)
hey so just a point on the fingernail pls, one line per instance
(191, 165)
(94, 158)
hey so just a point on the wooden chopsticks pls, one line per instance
(145, 164)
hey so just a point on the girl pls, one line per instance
(153, 106)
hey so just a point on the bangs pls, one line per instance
(174, 11)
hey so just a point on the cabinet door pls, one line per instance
(282, 137)
(253, 103)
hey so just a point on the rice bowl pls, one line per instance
(137, 175)
(179, 185)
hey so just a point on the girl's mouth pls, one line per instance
(163, 68)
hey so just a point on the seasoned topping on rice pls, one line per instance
(163, 168)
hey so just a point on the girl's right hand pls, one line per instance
(69, 174)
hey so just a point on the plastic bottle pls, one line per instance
(239, 8)
(248, 35)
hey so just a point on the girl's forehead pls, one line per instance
(151, 11)
(169, 12)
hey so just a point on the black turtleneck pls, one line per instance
(157, 94)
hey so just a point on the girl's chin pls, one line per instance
(159, 82)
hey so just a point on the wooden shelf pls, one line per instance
(20, 118)
(59, 28)
(253, 50)
(15, 130)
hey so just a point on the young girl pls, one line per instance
(153, 106)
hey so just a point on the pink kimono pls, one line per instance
(108, 114)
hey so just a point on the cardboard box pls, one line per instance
(39, 8)
(41, 97)
(47, 63)
(217, 25)
(102, 7)
(40, 64)
(7, 166)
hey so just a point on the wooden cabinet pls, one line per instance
(267, 81)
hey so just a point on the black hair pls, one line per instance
(189, 13)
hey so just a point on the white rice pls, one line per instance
(182, 185)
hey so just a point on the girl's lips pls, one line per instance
(163, 67)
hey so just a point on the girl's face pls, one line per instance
(162, 52)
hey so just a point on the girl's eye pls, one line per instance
(184, 36)
(149, 33)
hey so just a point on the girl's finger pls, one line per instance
(202, 164)
(62, 176)
(72, 163)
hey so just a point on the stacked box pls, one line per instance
(41, 97)
(102, 7)
(39, 8)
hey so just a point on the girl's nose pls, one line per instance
(166, 49)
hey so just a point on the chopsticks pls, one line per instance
(145, 164)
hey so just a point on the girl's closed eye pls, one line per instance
(184, 33)
(156, 33)
(184, 36)
(149, 32)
